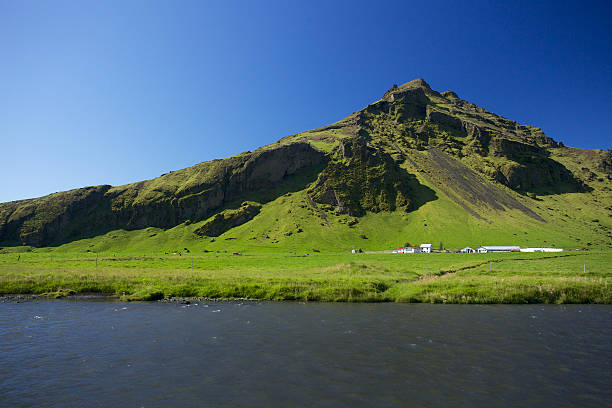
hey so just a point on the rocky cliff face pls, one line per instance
(529, 168)
(360, 178)
(191, 194)
(37, 221)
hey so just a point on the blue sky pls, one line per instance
(111, 92)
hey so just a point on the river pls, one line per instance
(266, 354)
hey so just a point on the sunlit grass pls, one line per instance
(438, 278)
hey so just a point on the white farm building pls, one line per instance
(489, 248)
(426, 248)
(408, 250)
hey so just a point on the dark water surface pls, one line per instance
(226, 354)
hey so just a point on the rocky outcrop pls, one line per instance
(473, 131)
(450, 95)
(228, 219)
(443, 119)
(529, 168)
(388, 94)
(604, 164)
(37, 221)
(415, 96)
(542, 140)
(539, 177)
(511, 149)
(361, 179)
(478, 139)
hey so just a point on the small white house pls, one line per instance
(426, 248)
(408, 250)
(490, 248)
(541, 249)
(468, 250)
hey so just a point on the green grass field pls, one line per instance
(568, 277)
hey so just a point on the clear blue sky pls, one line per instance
(111, 92)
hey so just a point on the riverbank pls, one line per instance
(19, 298)
(582, 277)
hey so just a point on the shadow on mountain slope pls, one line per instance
(529, 168)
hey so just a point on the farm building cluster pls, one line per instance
(489, 248)
(424, 248)
(427, 248)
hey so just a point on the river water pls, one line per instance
(251, 354)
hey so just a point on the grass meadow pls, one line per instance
(567, 277)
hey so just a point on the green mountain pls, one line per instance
(415, 166)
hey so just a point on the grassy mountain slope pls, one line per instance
(415, 166)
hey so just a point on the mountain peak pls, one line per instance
(416, 83)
